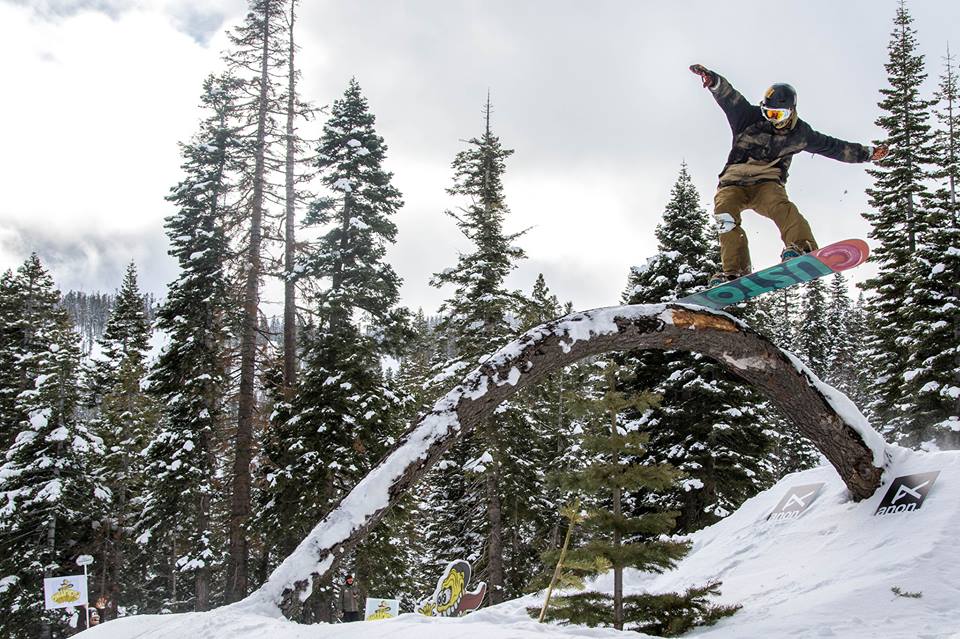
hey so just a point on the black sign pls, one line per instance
(797, 500)
(907, 493)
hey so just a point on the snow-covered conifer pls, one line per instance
(345, 414)
(123, 417)
(706, 423)
(190, 378)
(932, 376)
(47, 492)
(467, 489)
(898, 216)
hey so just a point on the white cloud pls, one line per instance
(92, 127)
(594, 97)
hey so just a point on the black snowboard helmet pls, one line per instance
(779, 104)
(780, 96)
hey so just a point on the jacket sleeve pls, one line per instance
(736, 107)
(836, 149)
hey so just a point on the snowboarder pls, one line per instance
(349, 600)
(765, 139)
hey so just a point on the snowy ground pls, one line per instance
(827, 573)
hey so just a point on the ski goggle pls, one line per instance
(776, 115)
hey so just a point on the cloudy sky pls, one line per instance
(594, 97)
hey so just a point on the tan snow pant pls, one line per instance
(769, 199)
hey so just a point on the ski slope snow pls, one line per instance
(831, 571)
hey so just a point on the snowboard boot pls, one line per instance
(722, 278)
(791, 251)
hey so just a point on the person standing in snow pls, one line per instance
(765, 139)
(349, 603)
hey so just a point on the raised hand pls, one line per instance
(709, 77)
(879, 152)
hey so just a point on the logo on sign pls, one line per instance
(797, 500)
(907, 493)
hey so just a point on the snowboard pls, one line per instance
(830, 259)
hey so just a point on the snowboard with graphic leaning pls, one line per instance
(836, 257)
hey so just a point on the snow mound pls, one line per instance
(830, 571)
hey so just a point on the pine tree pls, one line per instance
(124, 417)
(813, 338)
(542, 432)
(613, 539)
(344, 415)
(479, 317)
(46, 489)
(932, 373)
(190, 378)
(707, 422)
(259, 54)
(898, 218)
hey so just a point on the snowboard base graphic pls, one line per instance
(830, 259)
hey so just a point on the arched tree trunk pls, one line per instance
(822, 414)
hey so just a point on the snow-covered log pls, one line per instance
(821, 413)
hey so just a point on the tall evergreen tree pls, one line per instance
(479, 317)
(933, 331)
(259, 55)
(190, 378)
(124, 417)
(898, 217)
(707, 422)
(344, 415)
(46, 489)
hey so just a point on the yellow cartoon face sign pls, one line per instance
(382, 612)
(378, 609)
(451, 598)
(450, 593)
(66, 593)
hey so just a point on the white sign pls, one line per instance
(64, 592)
(795, 502)
(84, 560)
(381, 609)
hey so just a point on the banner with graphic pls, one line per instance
(796, 501)
(907, 493)
(381, 609)
(451, 598)
(64, 592)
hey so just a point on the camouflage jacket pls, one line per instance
(761, 152)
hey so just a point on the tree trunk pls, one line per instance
(289, 248)
(202, 575)
(495, 538)
(834, 425)
(239, 550)
(617, 567)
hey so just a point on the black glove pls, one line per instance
(709, 77)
